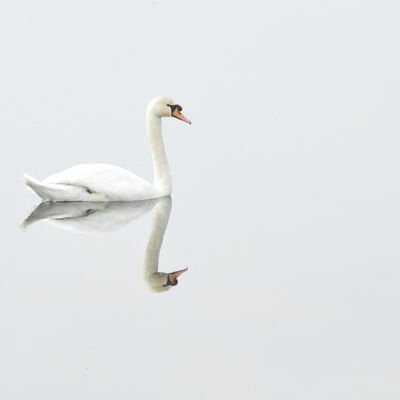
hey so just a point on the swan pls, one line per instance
(102, 217)
(105, 182)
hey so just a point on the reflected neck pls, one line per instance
(161, 212)
(162, 176)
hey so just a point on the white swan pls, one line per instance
(104, 182)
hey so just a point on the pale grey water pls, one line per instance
(285, 204)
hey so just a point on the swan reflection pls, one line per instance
(89, 217)
(97, 217)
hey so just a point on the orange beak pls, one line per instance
(177, 114)
(173, 276)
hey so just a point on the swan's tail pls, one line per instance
(47, 192)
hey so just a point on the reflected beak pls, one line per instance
(177, 114)
(173, 276)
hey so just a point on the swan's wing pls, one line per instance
(116, 183)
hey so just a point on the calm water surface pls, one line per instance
(285, 207)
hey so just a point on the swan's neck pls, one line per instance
(161, 213)
(162, 176)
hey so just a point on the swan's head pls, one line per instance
(162, 281)
(165, 107)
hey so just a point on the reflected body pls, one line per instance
(97, 217)
(89, 217)
(104, 182)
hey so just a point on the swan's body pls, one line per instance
(94, 182)
(104, 182)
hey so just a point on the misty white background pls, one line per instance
(285, 204)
